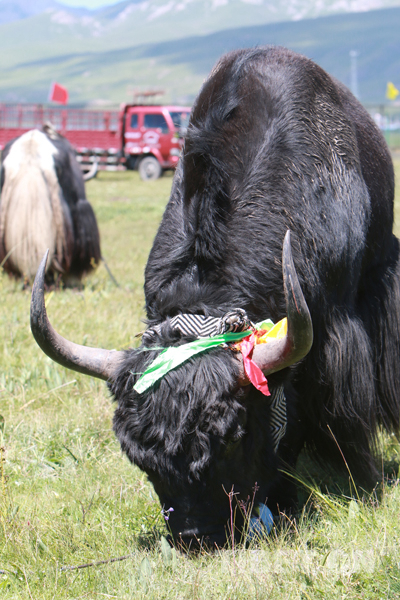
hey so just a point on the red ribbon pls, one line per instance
(253, 372)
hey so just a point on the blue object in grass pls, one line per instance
(260, 526)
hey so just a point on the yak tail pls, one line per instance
(87, 254)
(33, 217)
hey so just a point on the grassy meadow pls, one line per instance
(68, 497)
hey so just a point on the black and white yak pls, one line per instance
(43, 205)
(274, 144)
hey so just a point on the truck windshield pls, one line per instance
(155, 121)
(180, 119)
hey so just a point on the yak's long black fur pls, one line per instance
(274, 143)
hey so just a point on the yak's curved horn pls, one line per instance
(90, 361)
(278, 354)
(92, 171)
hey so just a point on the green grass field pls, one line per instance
(68, 497)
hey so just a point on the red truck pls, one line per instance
(139, 136)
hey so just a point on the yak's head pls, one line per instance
(201, 432)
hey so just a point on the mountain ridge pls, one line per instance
(15, 10)
(100, 72)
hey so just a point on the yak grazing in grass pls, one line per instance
(43, 205)
(274, 144)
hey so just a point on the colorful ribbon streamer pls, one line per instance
(262, 335)
(253, 372)
(172, 357)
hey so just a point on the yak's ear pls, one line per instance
(90, 361)
(281, 353)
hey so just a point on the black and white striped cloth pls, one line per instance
(277, 423)
(200, 326)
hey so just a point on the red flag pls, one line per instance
(58, 93)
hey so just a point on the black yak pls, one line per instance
(43, 205)
(274, 144)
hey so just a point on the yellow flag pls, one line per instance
(391, 91)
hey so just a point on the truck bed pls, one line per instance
(91, 132)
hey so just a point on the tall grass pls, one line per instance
(68, 497)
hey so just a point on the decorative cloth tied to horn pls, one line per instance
(233, 328)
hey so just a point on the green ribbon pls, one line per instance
(172, 357)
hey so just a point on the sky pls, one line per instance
(89, 3)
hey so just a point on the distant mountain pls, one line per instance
(15, 10)
(203, 15)
(103, 56)
(53, 29)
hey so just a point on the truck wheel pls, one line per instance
(149, 168)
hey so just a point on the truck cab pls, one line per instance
(152, 137)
